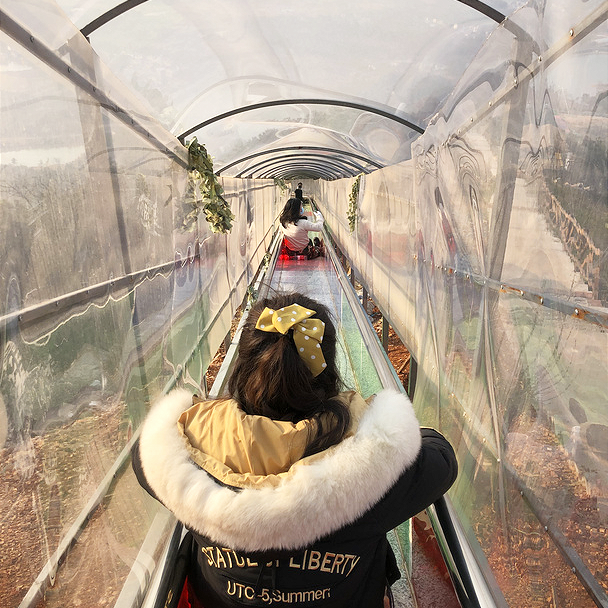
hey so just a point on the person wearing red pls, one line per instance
(295, 227)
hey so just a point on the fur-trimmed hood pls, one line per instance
(312, 498)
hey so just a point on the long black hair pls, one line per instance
(292, 212)
(270, 379)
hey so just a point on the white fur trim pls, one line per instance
(317, 499)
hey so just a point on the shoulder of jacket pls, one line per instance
(319, 496)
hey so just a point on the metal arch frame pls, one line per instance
(291, 176)
(118, 10)
(336, 159)
(344, 164)
(270, 168)
(301, 157)
(303, 173)
(300, 101)
(294, 160)
(127, 5)
(312, 170)
(316, 169)
(278, 82)
(333, 151)
(82, 81)
(484, 9)
(123, 7)
(262, 169)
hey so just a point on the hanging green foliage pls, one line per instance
(204, 192)
(280, 182)
(352, 204)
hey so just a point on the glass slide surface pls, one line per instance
(318, 280)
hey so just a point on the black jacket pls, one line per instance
(291, 531)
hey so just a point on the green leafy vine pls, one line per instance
(280, 183)
(204, 192)
(352, 204)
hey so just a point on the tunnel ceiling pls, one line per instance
(273, 89)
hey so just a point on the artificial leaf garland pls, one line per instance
(280, 183)
(352, 204)
(201, 179)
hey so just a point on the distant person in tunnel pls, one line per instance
(295, 227)
(298, 191)
(290, 484)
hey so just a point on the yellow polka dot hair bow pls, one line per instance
(307, 332)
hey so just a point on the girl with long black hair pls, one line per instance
(295, 227)
(290, 484)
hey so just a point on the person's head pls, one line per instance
(299, 184)
(270, 377)
(292, 212)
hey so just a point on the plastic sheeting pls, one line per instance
(106, 301)
(483, 241)
(192, 64)
(485, 253)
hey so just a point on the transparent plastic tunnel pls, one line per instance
(458, 151)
